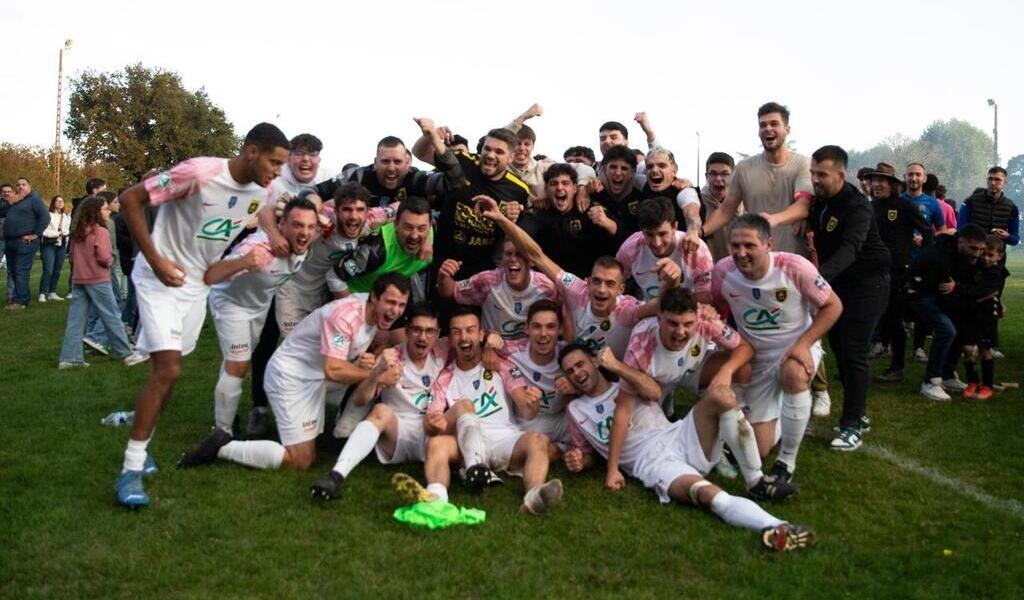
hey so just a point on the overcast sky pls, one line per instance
(852, 73)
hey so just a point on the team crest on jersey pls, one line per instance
(426, 380)
(536, 375)
(680, 362)
(781, 294)
(232, 201)
(695, 351)
(892, 214)
(401, 195)
(254, 205)
(606, 325)
(515, 373)
(476, 384)
(518, 308)
(164, 180)
(488, 374)
(831, 225)
(599, 408)
(567, 278)
(819, 282)
(757, 293)
(575, 225)
(632, 206)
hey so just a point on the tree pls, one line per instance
(1015, 184)
(36, 164)
(141, 118)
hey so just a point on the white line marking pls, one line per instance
(1011, 507)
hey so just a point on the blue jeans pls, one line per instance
(53, 264)
(19, 264)
(941, 358)
(100, 296)
(95, 328)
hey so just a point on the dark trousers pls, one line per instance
(19, 265)
(261, 356)
(850, 338)
(892, 323)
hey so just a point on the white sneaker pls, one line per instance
(997, 354)
(932, 390)
(822, 404)
(53, 296)
(135, 358)
(954, 385)
(920, 355)
(42, 298)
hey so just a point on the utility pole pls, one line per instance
(57, 155)
(995, 131)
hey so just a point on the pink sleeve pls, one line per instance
(811, 284)
(544, 284)
(948, 214)
(629, 251)
(700, 265)
(441, 348)
(510, 347)
(627, 312)
(572, 289)
(511, 376)
(439, 391)
(336, 333)
(183, 180)
(718, 332)
(576, 437)
(717, 277)
(475, 289)
(639, 353)
(378, 216)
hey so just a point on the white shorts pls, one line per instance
(238, 338)
(673, 453)
(411, 445)
(553, 425)
(762, 399)
(170, 318)
(298, 405)
(293, 304)
(500, 441)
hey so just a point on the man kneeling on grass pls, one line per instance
(671, 458)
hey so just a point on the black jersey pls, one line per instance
(416, 183)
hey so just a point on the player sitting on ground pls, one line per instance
(329, 345)
(402, 378)
(601, 314)
(504, 293)
(244, 284)
(670, 458)
(472, 402)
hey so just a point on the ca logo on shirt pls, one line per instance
(219, 229)
(760, 319)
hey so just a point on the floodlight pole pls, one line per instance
(995, 131)
(57, 155)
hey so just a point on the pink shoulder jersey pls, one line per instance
(639, 262)
(504, 309)
(593, 331)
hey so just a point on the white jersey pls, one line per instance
(639, 262)
(202, 208)
(593, 331)
(248, 295)
(591, 419)
(338, 330)
(541, 377)
(504, 309)
(775, 310)
(487, 389)
(411, 395)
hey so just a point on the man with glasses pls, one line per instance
(718, 173)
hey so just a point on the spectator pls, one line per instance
(931, 187)
(25, 217)
(92, 255)
(96, 334)
(54, 248)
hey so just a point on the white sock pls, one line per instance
(349, 418)
(258, 454)
(364, 437)
(471, 440)
(438, 490)
(796, 411)
(741, 512)
(739, 435)
(226, 396)
(135, 455)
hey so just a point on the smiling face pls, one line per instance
(467, 338)
(971, 249)
(351, 216)
(515, 266)
(494, 158)
(299, 228)
(421, 335)
(610, 137)
(391, 165)
(772, 130)
(412, 231)
(749, 252)
(619, 173)
(661, 240)
(561, 192)
(605, 286)
(523, 152)
(579, 367)
(388, 307)
(542, 329)
(881, 187)
(304, 163)
(661, 172)
(675, 329)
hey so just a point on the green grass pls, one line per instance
(229, 531)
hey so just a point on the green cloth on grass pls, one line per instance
(439, 514)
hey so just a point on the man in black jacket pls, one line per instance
(898, 219)
(931, 287)
(853, 259)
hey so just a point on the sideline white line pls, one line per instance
(1011, 507)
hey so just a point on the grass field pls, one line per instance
(886, 530)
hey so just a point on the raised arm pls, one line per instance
(488, 207)
(516, 124)
(430, 143)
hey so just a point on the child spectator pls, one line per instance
(979, 325)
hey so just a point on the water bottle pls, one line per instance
(119, 418)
